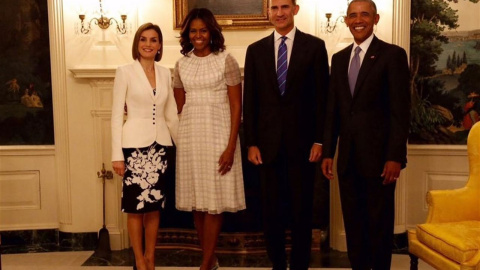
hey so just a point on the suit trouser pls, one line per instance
(287, 197)
(368, 212)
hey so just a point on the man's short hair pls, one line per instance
(294, 2)
(368, 1)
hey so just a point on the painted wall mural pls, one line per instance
(445, 70)
(26, 116)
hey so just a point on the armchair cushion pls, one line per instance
(458, 241)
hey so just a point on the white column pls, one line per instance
(60, 116)
(401, 37)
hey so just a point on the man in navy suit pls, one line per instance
(368, 111)
(284, 106)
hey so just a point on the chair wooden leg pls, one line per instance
(413, 262)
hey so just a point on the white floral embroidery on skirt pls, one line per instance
(144, 170)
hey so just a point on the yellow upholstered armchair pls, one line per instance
(450, 238)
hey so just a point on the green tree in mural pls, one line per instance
(469, 80)
(453, 64)
(429, 18)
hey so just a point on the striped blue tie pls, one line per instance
(282, 66)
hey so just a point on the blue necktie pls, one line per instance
(282, 66)
(354, 68)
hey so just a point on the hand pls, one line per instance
(119, 167)
(391, 172)
(254, 155)
(315, 153)
(327, 165)
(226, 161)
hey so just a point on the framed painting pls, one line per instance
(26, 114)
(246, 14)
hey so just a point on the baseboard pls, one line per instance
(23, 241)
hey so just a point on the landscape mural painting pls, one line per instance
(26, 115)
(445, 70)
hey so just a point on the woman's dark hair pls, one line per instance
(136, 40)
(217, 41)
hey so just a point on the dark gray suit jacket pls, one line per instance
(295, 120)
(373, 125)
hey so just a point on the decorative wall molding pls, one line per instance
(96, 72)
(19, 190)
(93, 72)
(27, 150)
(437, 150)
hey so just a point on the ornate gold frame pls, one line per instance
(243, 21)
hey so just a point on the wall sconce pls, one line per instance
(334, 8)
(103, 22)
(330, 27)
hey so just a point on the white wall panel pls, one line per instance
(28, 188)
(19, 190)
(432, 167)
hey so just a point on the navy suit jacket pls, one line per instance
(295, 120)
(372, 125)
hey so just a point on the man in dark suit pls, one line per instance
(368, 111)
(286, 83)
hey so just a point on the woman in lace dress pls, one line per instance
(207, 87)
(141, 145)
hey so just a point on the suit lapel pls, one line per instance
(344, 63)
(368, 61)
(295, 58)
(270, 61)
(143, 80)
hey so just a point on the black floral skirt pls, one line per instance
(144, 180)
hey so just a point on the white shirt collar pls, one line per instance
(290, 35)
(364, 45)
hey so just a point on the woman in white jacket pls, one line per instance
(140, 146)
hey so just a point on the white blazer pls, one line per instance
(149, 117)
